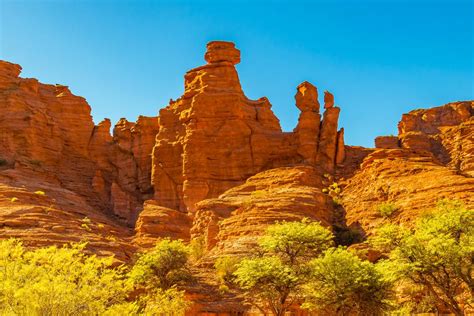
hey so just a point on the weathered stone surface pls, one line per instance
(328, 100)
(307, 130)
(214, 137)
(36, 209)
(232, 223)
(387, 142)
(328, 139)
(412, 181)
(447, 131)
(341, 148)
(46, 130)
(157, 222)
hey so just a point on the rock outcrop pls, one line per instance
(48, 129)
(412, 182)
(213, 138)
(214, 166)
(232, 223)
(446, 131)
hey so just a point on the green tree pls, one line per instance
(274, 279)
(296, 242)
(343, 284)
(57, 281)
(437, 255)
(170, 302)
(162, 267)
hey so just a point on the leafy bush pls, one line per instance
(437, 255)
(342, 284)
(3, 162)
(274, 280)
(296, 242)
(225, 268)
(268, 282)
(162, 267)
(170, 302)
(57, 281)
(40, 193)
(386, 209)
(198, 248)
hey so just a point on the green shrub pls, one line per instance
(162, 267)
(198, 248)
(225, 267)
(3, 162)
(343, 284)
(436, 255)
(386, 209)
(57, 281)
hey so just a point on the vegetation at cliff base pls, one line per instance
(436, 258)
(67, 281)
(425, 267)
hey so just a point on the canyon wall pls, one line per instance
(214, 167)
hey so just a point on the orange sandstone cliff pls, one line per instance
(214, 166)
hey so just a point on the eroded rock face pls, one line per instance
(47, 129)
(232, 223)
(411, 181)
(387, 142)
(213, 138)
(214, 165)
(157, 222)
(446, 131)
(35, 208)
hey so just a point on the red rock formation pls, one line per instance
(231, 223)
(307, 130)
(412, 181)
(47, 129)
(214, 165)
(214, 137)
(387, 142)
(157, 222)
(328, 139)
(36, 209)
(446, 131)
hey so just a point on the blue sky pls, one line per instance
(379, 58)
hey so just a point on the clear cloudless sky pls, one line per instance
(379, 58)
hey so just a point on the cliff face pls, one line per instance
(47, 129)
(430, 159)
(213, 137)
(214, 165)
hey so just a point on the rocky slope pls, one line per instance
(213, 166)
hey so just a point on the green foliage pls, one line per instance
(3, 162)
(342, 284)
(268, 282)
(57, 281)
(162, 267)
(296, 242)
(225, 268)
(437, 255)
(40, 193)
(198, 248)
(170, 302)
(386, 209)
(274, 280)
